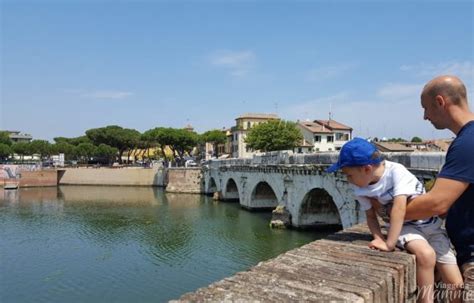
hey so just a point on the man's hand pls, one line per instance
(379, 244)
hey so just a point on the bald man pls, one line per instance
(444, 100)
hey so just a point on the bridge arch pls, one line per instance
(318, 208)
(231, 190)
(263, 196)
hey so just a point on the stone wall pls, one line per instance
(112, 176)
(39, 178)
(185, 180)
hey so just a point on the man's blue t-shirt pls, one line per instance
(459, 166)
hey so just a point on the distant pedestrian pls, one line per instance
(445, 104)
(392, 186)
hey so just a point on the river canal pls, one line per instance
(126, 244)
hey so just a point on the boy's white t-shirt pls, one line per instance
(396, 180)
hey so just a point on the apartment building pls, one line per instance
(323, 135)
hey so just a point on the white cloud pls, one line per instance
(396, 91)
(329, 72)
(107, 94)
(314, 109)
(239, 63)
(99, 94)
(464, 70)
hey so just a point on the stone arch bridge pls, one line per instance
(299, 185)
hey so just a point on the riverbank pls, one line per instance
(176, 180)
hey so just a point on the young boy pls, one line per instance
(384, 188)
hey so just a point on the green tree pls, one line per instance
(5, 138)
(85, 151)
(144, 144)
(155, 137)
(215, 137)
(74, 141)
(396, 140)
(64, 148)
(274, 135)
(416, 139)
(161, 136)
(5, 151)
(22, 149)
(121, 138)
(106, 152)
(182, 142)
(41, 147)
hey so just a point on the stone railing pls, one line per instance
(338, 268)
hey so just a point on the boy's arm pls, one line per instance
(373, 224)
(397, 217)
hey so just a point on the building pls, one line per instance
(224, 150)
(324, 135)
(16, 136)
(440, 145)
(239, 132)
(392, 147)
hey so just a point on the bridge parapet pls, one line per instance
(432, 161)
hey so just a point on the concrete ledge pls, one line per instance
(112, 176)
(338, 268)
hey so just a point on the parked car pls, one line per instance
(190, 163)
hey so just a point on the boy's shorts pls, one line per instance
(434, 235)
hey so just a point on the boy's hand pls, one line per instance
(379, 244)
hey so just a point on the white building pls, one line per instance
(239, 132)
(324, 135)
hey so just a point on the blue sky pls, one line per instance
(67, 66)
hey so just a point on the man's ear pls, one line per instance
(440, 101)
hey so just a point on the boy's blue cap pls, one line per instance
(357, 152)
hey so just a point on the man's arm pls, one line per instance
(437, 201)
(397, 217)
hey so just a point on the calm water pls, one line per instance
(126, 244)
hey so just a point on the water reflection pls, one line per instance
(132, 243)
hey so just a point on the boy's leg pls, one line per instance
(425, 263)
(446, 263)
(452, 279)
(468, 274)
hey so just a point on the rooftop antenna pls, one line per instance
(330, 109)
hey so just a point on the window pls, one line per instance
(300, 150)
(317, 138)
(342, 137)
(249, 125)
(330, 138)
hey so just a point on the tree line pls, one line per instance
(111, 143)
